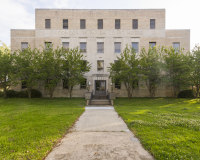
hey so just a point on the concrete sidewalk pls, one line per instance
(99, 134)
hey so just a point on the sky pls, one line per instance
(20, 14)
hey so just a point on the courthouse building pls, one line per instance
(101, 34)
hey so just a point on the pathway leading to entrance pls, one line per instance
(99, 134)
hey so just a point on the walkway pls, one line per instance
(99, 135)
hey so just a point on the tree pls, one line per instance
(74, 67)
(195, 73)
(126, 70)
(177, 69)
(25, 62)
(151, 68)
(49, 67)
(6, 68)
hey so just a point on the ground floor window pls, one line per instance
(24, 86)
(65, 83)
(117, 84)
(83, 84)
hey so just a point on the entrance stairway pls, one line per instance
(100, 100)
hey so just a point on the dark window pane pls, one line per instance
(176, 46)
(24, 45)
(65, 23)
(135, 46)
(100, 47)
(100, 65)
(117, 47)
(135, 23)
(48, 45)
(117, 84)
(47, 23)
(83, 84)
(82, 24)
(65, 83)
(152, 24)
(100, 23)
(24, 85)
(152, 44)
(65, 46)
(117, 24)
(83, 47)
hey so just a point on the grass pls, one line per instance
(30, 128)
(168, 128)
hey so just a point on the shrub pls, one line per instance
(11, 94)
(1, 94)
(186, 94)
(35, 94)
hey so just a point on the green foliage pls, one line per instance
(7, 69)
(168, 128)
(186, 94)
(73, 68)
(49, 67)
(195, 64)
(11, 94)
(151, 65)
(177, 69)
(23, 94)
(126, 70)
(26, 65)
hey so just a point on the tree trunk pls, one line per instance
(29, 93)
(4, 91)
(197, 91)
(70, 91)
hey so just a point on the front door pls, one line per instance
(100, 87)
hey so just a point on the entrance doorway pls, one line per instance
(100, 87)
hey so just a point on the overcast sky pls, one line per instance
(20, 14)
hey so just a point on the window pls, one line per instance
(65, 23)
(135, 23)
(100, 65)
(176, 46)
(48, 45)
(24, 45)
(83, 47)
(117, 24)
(117, 47)
(100, 23)
(47, 23)
(65, 83)
(117, 84)
(83, 84)
(65, 46)
(152, 44)
(135, 46)
(100, 47)
(24, 84)
(152, 24)
(82, 24)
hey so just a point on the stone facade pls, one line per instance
(92, 35)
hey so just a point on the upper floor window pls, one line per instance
(135, 24)
(176, 46)
(24, 45)
(82, 24)
(48, 45)
(117, 47)
(100, 65)
(65, 23)
(83, 47)
(135, 46)
(100, 47)
(100, 23)
(65, 46)
(83, 84)
(152, 44)
(152, 23)
(47, 23)
(117, 24)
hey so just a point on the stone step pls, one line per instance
(100, 102)
(100, 97)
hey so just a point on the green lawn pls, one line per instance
(30, 128)
(168, 128)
